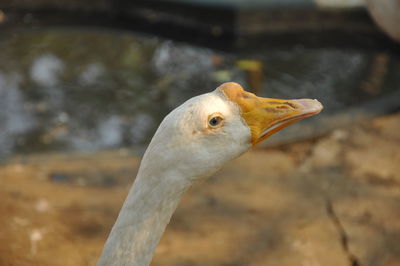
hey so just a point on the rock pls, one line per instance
(42, 205)
(326, 152)
(388, 126)
(375, 159)
(371, 224)
(367, 201)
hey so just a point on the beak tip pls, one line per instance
(310, 106)
(318, 106)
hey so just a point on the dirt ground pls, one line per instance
(331, 201)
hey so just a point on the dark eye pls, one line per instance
(215, 121)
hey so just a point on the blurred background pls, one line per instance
(84, 85)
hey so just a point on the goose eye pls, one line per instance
(215, 121)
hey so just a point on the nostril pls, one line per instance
(290, 104)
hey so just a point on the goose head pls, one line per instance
(206, 131)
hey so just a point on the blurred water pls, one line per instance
(88, 90)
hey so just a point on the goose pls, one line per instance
(191, 143)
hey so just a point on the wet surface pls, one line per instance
(87, 90)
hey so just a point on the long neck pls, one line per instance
(146, 212)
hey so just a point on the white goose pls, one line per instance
(191, 143)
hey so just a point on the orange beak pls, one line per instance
(266, 116)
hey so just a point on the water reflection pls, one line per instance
(88, 90)
(15, 118)
(45, 70)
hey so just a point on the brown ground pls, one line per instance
(332, 201)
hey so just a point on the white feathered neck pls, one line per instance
(181, 151)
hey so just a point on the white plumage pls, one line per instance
(191, 143)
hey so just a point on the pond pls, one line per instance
(91, 89)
